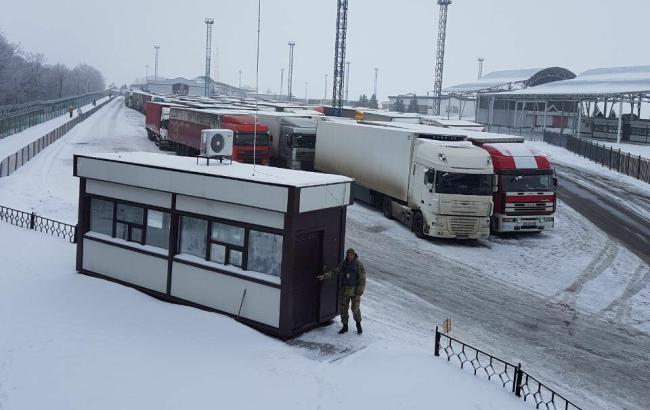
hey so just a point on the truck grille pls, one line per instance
(462, 226)
(528, 208)
(304, 156)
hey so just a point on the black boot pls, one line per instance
(359, 329)
(343, 329)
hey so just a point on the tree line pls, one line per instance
(25, 77)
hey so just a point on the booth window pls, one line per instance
(194, 234)
(101, 216)
(227, 244)
(158, 229)
(129, 223)
(264, 252)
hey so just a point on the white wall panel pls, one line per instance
(264, 196)
(224, 293)
(129, 193)
(325, 196)
(226, 210)
(136, 268)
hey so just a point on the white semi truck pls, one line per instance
(430, 179)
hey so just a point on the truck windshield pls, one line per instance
(524, 183)
(304, 141)
(247, 139)
(463, 184)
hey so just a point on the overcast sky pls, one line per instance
(398, 37)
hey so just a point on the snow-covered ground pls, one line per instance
(69, 341)
(9, 145)
(98, 344)
(75, 342)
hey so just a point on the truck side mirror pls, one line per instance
(555, 181)
(495, 183)
(429, 177)
(289, 140)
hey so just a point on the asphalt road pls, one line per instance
(620, 211)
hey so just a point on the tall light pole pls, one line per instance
(155, 71)
(209, 21)
(375, 85)
(240, 78)
(347, 80)
(325, 92)
(281, 80)
(440, 55)
(290, 73)
(480, 67)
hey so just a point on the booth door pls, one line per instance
(308, 260)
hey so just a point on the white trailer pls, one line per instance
(431, 179)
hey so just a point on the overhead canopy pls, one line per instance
(511, 80)
(595, 83)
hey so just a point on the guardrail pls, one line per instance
(16, 160)
(32, 221)
(512, 377)
(635, 166)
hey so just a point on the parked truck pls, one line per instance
(429, 178)
(525, 200)
(157, 122)
(252, 142)
(293, 139)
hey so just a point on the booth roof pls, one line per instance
(259, 173)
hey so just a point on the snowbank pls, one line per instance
(73, 342)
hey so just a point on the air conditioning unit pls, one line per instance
(217, 143)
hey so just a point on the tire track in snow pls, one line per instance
(569, 296)
(640, 279)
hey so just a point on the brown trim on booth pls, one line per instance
(288, 256)
(82, 222)
(172, 247)
(191, 172)
(126, 246)
(262, 327)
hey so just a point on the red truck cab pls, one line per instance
(525, 200)
(252, 142)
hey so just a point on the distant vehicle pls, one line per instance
(429, 178)
(525, 200)
(294, 139)
(157, 122)
(186, 124)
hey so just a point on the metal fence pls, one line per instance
(16, 160)
(32, 221)
(509, 376)
(16, 118)
(531, 134)
(633, 165)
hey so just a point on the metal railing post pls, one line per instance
(32, 218)
(436, 350)
(518, 379)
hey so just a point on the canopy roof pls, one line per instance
(511, 80)
(599, 82)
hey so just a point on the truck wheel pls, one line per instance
(418, 224)
(386, 207)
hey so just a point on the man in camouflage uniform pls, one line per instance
(353, 283)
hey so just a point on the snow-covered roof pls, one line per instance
(595, 82)
(527, 76)
(236, 170)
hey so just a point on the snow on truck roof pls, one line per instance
(235, 170)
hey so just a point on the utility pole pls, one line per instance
(325, 93)
(240, 78)
(155, 75)
(281, 81)
(347, 80)
(339, 55)
(480, 67)
(209, 21)
(292, 44)
(375, 85)
(440, 55)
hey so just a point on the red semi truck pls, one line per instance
(157, 121)
(186, 124)
(525, 200)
